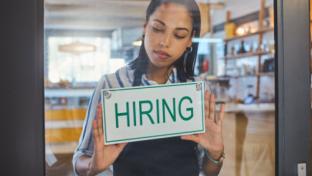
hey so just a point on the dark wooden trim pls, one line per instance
(22, 103)
(293, 122)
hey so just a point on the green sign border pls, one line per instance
(154, 136)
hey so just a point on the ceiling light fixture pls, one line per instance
(77, 48)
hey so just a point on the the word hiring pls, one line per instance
(154, 112)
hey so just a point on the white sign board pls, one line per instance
(152, 112)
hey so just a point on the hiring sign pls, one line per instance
(152, 112)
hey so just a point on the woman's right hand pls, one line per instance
(103, 155)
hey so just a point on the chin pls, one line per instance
(160, 64)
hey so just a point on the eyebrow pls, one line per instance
(179, 28)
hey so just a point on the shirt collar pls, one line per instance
(172, 78)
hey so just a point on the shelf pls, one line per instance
(250, 34)
(48, 93)
(63, 124)
(266, 74)
(60, 148)
(262, 107)
(256, 75)
(218, 79)
(241, 56)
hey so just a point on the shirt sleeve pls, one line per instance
(200, 156)
(85, 145)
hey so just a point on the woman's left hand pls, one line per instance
(212, 139)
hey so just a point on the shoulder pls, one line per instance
(122, 77)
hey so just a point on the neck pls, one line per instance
(159, 75)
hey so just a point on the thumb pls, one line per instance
(121, 146)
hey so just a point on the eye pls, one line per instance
(157, 29)
(180, 36)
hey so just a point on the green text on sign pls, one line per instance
(145, 109)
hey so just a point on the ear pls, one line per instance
(190, 43)
(191, 40)
(144, 28)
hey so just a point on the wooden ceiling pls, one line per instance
(97, 14)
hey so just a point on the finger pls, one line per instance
(95, 132)
(101, 130)
(100, 124)
(221, 115)
(121, 146)
(208, 124)
(194, 138)
(212, 107)
(95, 136)
(99, 110)
(99, 119)
(207, 105)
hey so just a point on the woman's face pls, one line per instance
(167, 34)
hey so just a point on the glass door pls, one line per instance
(236, 57)
(67, 93)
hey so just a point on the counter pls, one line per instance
(263, 107)
(249, 139)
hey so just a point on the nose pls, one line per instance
(165, 42)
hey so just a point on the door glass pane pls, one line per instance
(85, 40)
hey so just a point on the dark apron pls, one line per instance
(161, 157)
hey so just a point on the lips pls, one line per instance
(162, 55)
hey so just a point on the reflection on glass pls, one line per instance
(88, 39)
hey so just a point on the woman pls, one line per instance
(167, 55)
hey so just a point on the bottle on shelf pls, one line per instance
(249, 98)
(242, 48)
(229, 27)
(258, 46)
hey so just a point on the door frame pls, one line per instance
(293, 118)
(23, 88)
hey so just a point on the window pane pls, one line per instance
(85, 40)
